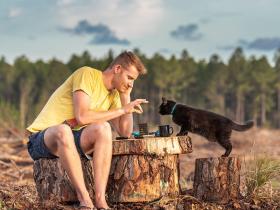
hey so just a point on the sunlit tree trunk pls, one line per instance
(278, 108)
(161, 94)
(263, 109)
(240, 111)
(255, 119)
(221, 103)
(23, 104)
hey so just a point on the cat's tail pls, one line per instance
(249, 124)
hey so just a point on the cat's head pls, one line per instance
(166, 106)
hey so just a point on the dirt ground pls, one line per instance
(17, 189)
(246, 145)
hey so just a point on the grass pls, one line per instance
(2, 205)
(262, 179)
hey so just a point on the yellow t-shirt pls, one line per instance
(60, 105)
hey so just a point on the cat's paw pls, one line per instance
(224, 155)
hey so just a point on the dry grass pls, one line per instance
(262, 179)
(246, 145)
(259, 150)
(17, 186)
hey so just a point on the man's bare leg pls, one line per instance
(60, 141)
(98, 137)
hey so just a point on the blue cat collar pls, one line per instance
(173, 109)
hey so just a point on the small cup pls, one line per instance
(143, 129)
(165, 130)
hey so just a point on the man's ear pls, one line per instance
(117, 68)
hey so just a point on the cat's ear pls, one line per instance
(164, 101)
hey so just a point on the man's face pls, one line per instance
(124, 78)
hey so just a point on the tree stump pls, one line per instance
(217, 179)
(147, 169)
(53, 184)
(141, 170)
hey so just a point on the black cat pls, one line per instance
(212, 126)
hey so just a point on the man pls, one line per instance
(75, 120)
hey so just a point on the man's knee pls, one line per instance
(102, 128)
(64, 135)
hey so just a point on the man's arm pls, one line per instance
(83, 114)
(124, 123)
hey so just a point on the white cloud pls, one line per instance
(126, 18)
(14, 12)
(64, 2)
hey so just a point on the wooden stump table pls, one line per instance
(142, 170)
(146, 169)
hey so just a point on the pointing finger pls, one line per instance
(137, 111)
(139, 101)
(139, 108)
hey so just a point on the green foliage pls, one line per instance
(2, 205)
(240, 89)
(6, 80)
(9, 115)
(215, 85)
(260, 172)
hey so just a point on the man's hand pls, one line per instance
(127, 92)
(134, 106)
(125, 96)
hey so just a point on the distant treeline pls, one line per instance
(243, 88)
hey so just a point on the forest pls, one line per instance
(241, 88)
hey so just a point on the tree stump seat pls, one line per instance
(53, 184)
(217, 179)
(142, 170)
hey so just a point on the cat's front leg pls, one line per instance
(183, 131)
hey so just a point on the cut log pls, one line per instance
(159, 146)
(139, 178)
(141, 170)
(53, 184)
(144, 170)
(217, 179)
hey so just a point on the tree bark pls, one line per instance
(139, 178)
(141, 170)
(217, 179)
(144, 170)
(53, 184)
(158, 146)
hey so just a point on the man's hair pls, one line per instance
(128, 58)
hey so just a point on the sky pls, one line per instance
(43, 29)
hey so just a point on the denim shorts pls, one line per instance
(37, 148)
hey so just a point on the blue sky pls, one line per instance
(59, 28)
